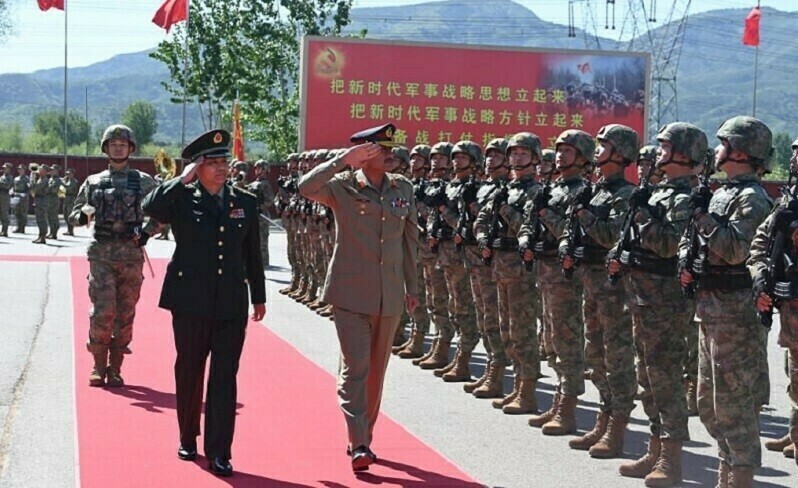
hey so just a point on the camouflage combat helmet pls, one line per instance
(526, 140)
(118, 131)
(241, 166)
(548, 156)
(442, 148)
(422, 150)
(498, 144)
(292, 157)
(581, 140)
(261, 163)
(748, 135)
(647, 153)
(795, 144)
(321, 154)
(401, 153)
(470, 148)
(622, 138)
(686, 139)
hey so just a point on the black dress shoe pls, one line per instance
(187, 453)
(220, 467)
(362, 458)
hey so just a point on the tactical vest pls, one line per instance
(118, 210)
(21, 185)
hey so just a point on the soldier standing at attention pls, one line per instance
(497, 228)
(262, 189)
(71, 187)
(53, 191)
(286, 192)
(40, 191)
(372, 275)
(660, 221)
(21, 190)
(730, 334)
(609, 348)
(112, 199)
(6, 184)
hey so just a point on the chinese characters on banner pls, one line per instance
(435, 93)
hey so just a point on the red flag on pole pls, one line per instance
(751, 32)
(238, 134)
(170, 13)
(45, 5)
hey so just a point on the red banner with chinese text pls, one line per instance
(435, 92)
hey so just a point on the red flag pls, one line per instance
(45, 5)
(238, 134)
(170, 13)
(751, 32)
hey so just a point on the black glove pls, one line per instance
(482, 243)
(541, 201)
(83, 219)
(640, 197)
(760, 286)
(143, 238)
(583, 197)
(783, 220)
(699, 198)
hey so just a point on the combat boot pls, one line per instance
(691, 397)
(322, 307)
(405, 342)
(40, 239)
(789, 451)
(493, 387)
(316, 304)
(724, 470)
(399, 339)
(428, 354)
(564, 420)
(449, 366)
(501, 402)
(524, 401)
(545, 417)
(18, 230)
(585, 442)
(778, 445)
(293, 286)
(326, 311)
(473, 385)
(460, 372)
(53, 235)
(97, 376)
(643, 466)
(611, 443)
(4, 233)
(70, 230)
(668, 468)
(115, 368)
(310, 297)
(439, 356)
(415, 348)
(301, 288)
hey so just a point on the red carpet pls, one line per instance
(289, 432)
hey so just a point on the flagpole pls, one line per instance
(66, 9)
(756, 66)
(185, 79)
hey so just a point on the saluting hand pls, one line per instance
(355, 156)
(188, 173)
(259, 311)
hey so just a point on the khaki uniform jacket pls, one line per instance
(376, 245)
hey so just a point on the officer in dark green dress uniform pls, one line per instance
(216, 263)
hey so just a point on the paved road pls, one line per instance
(37, 408)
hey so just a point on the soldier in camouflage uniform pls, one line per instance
(286, 192)
(483, 287)
(730, 334)
(39, 189)
(71, 187)
(609, 347)
(561, 296)
(545, 169)
(262, 189)
(238, 173)
(112, 199)
(300, 211)
(497, 230)
(399, 165)
(21, 190)
(54, 189)
(465, 157)
(660, 222)
(325, 223)
(780, 229)
(6, 184)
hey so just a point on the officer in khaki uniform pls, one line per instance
(372, 275)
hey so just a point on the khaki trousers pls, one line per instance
(365, 349)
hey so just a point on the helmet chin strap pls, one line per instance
(517, 168)
(117, 161)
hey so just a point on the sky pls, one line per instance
(100, 29)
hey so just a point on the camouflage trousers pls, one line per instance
(5, 205)
(562, 304)
(263, 229)
(728, 400)
(609, 347)
(420, 315)
(114, 289)
(21, 212)
(69, 202)
(518, 331)
(40, 211)
(462, 315)
(691, 354)
(659, 328)
(437, 296)
(52, 214)
(486, 299)
(788, 337)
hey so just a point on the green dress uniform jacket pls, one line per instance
(374, 261)
(217, 253)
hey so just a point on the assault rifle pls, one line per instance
(696, 257)
(534, 221)
(495, 219)
(574, 247)
(465, 221)
(435, 196)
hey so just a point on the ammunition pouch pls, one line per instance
(504, 244)
(725, 278)
(443, 234)
(649, 262)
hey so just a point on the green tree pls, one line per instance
(5, 19)
(248, 49)
(51, 125)
(782, 152)
(140, 116)
(11, 138)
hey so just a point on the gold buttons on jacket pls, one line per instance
(221, 228)
(179, 273)
(221, 257)
(219, 271)
(221, 243)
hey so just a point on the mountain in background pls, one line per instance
(715, 79)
